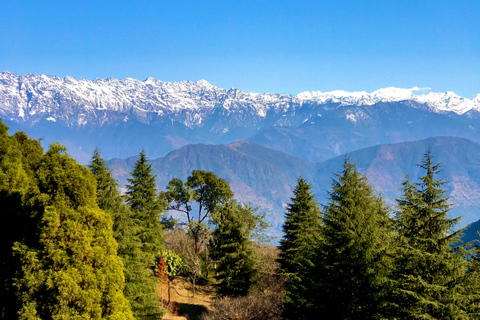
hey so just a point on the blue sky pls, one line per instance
(257, 46)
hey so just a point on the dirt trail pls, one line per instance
(182, 305)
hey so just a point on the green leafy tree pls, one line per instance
(431, 278)
(203, 191)
(301, 237)
(231, 248)
(140, 285)
(73, 271)
(353, 260)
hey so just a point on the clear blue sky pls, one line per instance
(257, 46)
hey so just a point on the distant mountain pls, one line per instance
(265, 177)
(257, 175)
(122, 116)
(349, 128)
(387, 165)
(471, 234)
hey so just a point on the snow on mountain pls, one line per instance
(435, 102)
(76, 102)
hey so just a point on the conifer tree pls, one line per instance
(231, 248)
(353, 260)
(73, 270)
(145, 209)
(302, 235)
(431, 274)
(108, 196)
(146, 206)
(139, 284)
(19, 156)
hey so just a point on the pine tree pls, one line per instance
(140, 252)
(73, 271)
(302, 235)
(431, 274)
(146, 206)
(231, 248)
(108, 197)
(139, 284)
(353, 263)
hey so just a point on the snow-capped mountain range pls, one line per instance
(79, 102)
(122, 116)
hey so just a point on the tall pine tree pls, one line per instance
(139, 284)
(431, 278)
(353, 260)
(145, 213)
(302, 235)
(146, 206)
(231, 248)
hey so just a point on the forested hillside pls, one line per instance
(74, 247)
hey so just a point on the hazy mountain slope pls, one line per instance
(471, 233)
(257, 175)
(387, 165)
(265, 177)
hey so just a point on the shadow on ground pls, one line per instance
(191, 311)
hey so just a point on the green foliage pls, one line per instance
(108, 197)
(231, 248)
(146, 206)
(353, 259)
(431, 278)
(73, 271)
(175, 264)
(19, 157)
(140, 285)
(302, 235)
(204, 191)
(13, 176)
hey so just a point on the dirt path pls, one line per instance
(183, 306)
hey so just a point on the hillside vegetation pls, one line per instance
(74, 247)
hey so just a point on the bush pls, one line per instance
(262, 306)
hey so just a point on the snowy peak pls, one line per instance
(435, 102)
(78, 102)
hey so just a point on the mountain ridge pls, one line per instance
(266, 177)
(131, 97)
(121, 116)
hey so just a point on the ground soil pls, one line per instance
(182, 304)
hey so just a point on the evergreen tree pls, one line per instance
(146, 206)
(140, 285)
(19, 157)
(302, 235)
(353, 260)
(140, 253)
(431, 277)
(231, 248)
(73, 271)
(108, 197)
